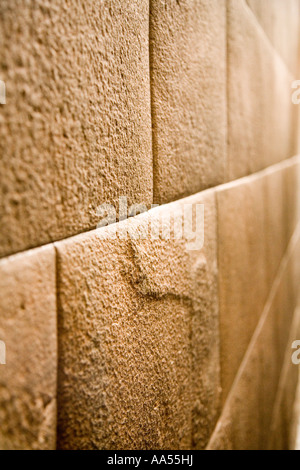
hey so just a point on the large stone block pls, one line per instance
(28, 328)
(188, 86)
(138, 336)
(260, 127)
(243, 270)
(76, 128)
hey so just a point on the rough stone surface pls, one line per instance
(188, 85)
(76, 129)
(280, 21)
(259, 97)
(243, 271)
(138, 338)
(28, 328)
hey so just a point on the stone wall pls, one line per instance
(130, 336)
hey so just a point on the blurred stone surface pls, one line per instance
(28, 328)
(260, 110)
(254, 416)
(280, 20)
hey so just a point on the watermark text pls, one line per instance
(296, 94)
(178, 222)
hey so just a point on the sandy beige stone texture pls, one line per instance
(276, 205)
(138, 337)
(247, 420)
(260, 113)
(257, 217)
(280, 20)
(243, 271)
(76, 129)
(28, 327)
(188, 86)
